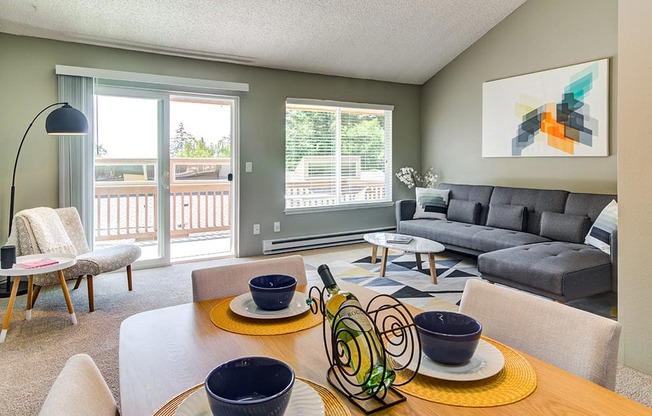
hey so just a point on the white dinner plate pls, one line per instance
(304, 401)
(244, 305)
(486, 362)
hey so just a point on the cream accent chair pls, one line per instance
(577, 341)
(89, 263)
(79, 390)
(233, 279)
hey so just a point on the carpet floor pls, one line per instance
(36, 350)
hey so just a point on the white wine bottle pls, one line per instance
(363, 350)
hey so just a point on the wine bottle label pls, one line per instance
(351, 309)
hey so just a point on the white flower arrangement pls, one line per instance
(411, 178)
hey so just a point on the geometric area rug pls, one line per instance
(404, 281)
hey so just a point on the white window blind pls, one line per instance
(336, 154)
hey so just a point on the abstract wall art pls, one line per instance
(560, 112)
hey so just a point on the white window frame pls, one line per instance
(343, 205)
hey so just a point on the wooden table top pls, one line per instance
(166, 351)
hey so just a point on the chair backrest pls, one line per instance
(80, 390)
(30, 242)
(577, 341)
(233, 279)
(72, 224)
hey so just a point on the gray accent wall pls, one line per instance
(540, 35)
(28, 83)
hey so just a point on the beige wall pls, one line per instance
(28, 84)
(540, 35)
(634, 174)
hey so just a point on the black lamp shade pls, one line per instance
(66, 121)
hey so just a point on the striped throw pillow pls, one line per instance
(600, 233)
(431, 203)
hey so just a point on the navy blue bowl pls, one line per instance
(272, 291)
(448, 337)
(251, 386)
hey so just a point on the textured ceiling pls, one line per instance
(402, 40)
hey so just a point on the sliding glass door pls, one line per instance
(163, 170)
(132, 171)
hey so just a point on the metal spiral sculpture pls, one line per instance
(393, 325)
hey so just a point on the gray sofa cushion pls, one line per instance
(564, 227)
(464, 211)
(479, 238)
(511, 217)
(473, 193)
(536, 200)
(590, 205)
(564, 271)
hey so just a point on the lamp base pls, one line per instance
(5, 288)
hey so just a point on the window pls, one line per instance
(337, 155)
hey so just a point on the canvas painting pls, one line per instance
(560, 112)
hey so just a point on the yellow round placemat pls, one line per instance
(514, 382)
(332, 405)
(222, 317)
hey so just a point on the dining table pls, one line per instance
(167, 351)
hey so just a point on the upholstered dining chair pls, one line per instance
(233, 279)
(46, 230)
(577, 341)
(79, 390)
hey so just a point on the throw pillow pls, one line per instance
(600, 233)
(431, 203)
(510, 217)
(464, 211)
(564, 227)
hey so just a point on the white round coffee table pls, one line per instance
(63, 262)
(416, 245)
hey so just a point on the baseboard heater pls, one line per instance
(284, 245)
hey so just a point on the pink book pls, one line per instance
(37, 263)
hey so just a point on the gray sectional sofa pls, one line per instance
(531, 239)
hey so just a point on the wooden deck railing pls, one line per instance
(124, 211)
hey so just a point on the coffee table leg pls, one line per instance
(383, 262)
(64, 288)
(374, 253)
(418, 256)
(433, 269)
(30, 286)
(10, 307)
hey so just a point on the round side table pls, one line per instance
(63, 262)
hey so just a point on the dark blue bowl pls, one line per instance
(272, 291)
(448, 337)
(251, 386)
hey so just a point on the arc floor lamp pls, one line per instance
(64, 121)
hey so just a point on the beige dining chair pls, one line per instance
(47, 230)
(233, 279)
(577, 341)
(79, 390)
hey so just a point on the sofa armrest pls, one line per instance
(404, 211)
(613, 243)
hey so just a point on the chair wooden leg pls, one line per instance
(37, 290)
(129, 277)
(91, 300)
(78, 282)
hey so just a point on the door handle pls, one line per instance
(229, 177)
(166, 180)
